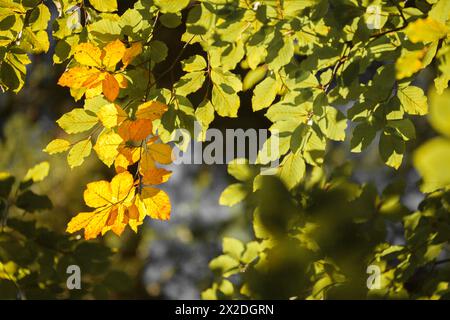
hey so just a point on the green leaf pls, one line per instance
(413, 100)
(190, 83)
(264, 93)
(31, 202)
(194, 63)
(240, 169)
(404, 128)
(333, 124)
(171, 5)
(232, 247)
(292, 169)
(233, 194)
(77, 120)
(363, 135)
(253, 77)
(439, 116)
(431, 160)
(171, 20)
(79, 151)
(39, 18)
(224, 93)
(391, 150)
(281, 51)
(104, 5)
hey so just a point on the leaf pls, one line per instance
(171, 6)
(38, 173)
(233, 194)
(57, 146)
(31, 202)
(107, 146)
(104, 5)
(240, 169)
(114, 205)
(190, 82)
(111, 115)
(87, 54)
(112, 54)
(232, 247)
(292, 169)
(426, 30)
(404, 128)
(79, 151)
(155, 203)
(409, 63)
(431, 160)
(131, 53)
(194, 63)
(77, 77)
(333, 123)
(264, 93)
(391, 150)
(413, 100)
(110, 87)
(224, 93)
(439, 116)
(155, 176)
(363, 135)
(76, 121)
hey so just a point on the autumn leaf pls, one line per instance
(111, 201)
(110, 87)
(131, 53)
(155, 203)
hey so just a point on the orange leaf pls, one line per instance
(155, 176)
(136, 130)
(110, 87)
(131, 53)
(151, 110)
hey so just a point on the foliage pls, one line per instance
(317, 69)
(34, 259)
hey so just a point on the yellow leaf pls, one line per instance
(110, 87)
(38, 173)
(57, 146)
(426, 30)
(155, 203)
(112, 54)
(111, 200)
(122, 187)
(98, 194)
(107, 146)
(111, 115)
(87, 54)
(76, 77)
(79, 151)
(151, 110)
(121, 80)
(131, 53)
(409, 63)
